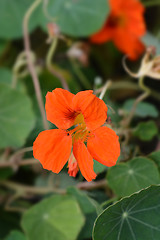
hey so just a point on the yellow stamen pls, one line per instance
(80, 131)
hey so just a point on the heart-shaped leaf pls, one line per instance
(16, 117)
(135, 217)
(127, 178)
(78, 17)
(146, 130)
(57, 217)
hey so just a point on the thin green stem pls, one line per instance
(143, 86)
(51, 52)
(80, 75)
(143, 96)
(31, 66)
(50, 65)
(120, 85)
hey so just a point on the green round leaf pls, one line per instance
(146, 130)
(5, 76)
(133, 218)
(15, 235)
(127, 178)
(155, 156)
(11, 17)
(57, 217)
(80, 17)
(16, 117)
(89, 207)
(143, 109)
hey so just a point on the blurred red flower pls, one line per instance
(124, 26)
(79, 118)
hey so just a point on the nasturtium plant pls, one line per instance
(134, 175)
(8, 222)
(13, 12)
(145, 131)
(150, 40)
(57, 217)
(155, 156)
(16, 117)
(3, 45)
(78, 18)
(6, 173)
(134, 217)
(6, 77)
(90, 209)
(143, 109)
(98, 167)
(16, 235)
(79, 140)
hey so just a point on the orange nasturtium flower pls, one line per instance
(124, 26)
(79, 137)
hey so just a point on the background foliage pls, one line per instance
(38, 204)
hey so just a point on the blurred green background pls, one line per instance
(36, 203)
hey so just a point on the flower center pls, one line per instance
(80, 130)
(115, 21)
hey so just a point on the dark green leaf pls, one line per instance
(3, 45)
(5, 173)
(15, 235)
(135, 217)
(127, 178)
(8, 222)
(155, 156)
(146, 130)
(57, 217)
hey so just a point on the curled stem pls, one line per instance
(50, 65)
(31, 66)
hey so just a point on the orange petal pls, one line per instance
(128, 43)
(93, 109)
(101, 36)
(58, 108)
(104, 146)
(84, 159)
(52, 148)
